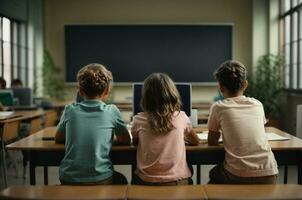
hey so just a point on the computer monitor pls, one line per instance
(24, 96)
(184, 89)
(6, 97)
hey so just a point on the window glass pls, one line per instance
(292, 43)
(7, 57)
(13, 51)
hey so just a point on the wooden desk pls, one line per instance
(117, 192)
(234, 192)
(10, 127)
(191, 192)
(47, 153)
(23, 115)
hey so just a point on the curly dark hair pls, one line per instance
(93, 79)
(160, 100)
(231, 74)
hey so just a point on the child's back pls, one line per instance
(161, 131)
(161, 157)
(88, 129)
(244, 139)
(248, 157)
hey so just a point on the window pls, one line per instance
(291, 42)
(14, 52)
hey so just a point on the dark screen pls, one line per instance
(184, 90)
(24, 96)
(187, 53)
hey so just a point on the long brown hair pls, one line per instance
(160, 99)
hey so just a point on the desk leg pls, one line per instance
(32, 173)
(4, 171)
(198, 174)
(45, 175)
(300, 168)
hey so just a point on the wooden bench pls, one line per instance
(133, 192)
(263, 192)
(110, 192)
(191, 192)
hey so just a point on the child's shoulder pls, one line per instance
(241, 100)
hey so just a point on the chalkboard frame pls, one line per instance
(129, 83)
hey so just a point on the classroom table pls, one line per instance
(9, 130)
(47, 153)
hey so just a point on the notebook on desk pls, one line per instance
(271, 136)
(5, 114)
(8, 115)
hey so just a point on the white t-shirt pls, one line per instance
(241, 120)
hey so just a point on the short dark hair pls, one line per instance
(231, 74)
(2, 83)
(16, 82)
(94, 79)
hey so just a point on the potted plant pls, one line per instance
(266, 85)
(53, 83)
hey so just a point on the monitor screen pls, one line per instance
(184, 89)
(24, 96)
(6, 97)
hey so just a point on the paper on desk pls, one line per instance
(271, 136)
(4, 114)
(204, 136)
(275, 137)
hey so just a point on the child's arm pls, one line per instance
(61, 127)
(213, 126)
(192, 138)
(134, 136)
(60, 137)
(213, 137)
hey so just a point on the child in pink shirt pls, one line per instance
(161, 131)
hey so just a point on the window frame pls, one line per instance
(18, 32)
(292, 70)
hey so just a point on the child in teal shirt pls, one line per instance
(88, 129)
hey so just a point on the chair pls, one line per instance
(10, 133)
(51, 118)
(6, 97)
(35, 125)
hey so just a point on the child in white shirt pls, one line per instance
(240, 120)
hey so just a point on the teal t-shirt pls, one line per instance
(88, 127)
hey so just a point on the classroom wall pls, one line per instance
(57, 13)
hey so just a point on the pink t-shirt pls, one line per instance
(161, 157)
(247, 151)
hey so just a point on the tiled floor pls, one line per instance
(124, 169)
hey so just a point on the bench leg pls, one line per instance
(198, 167)
(32, 174)
(45, 175)
(285, 174)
